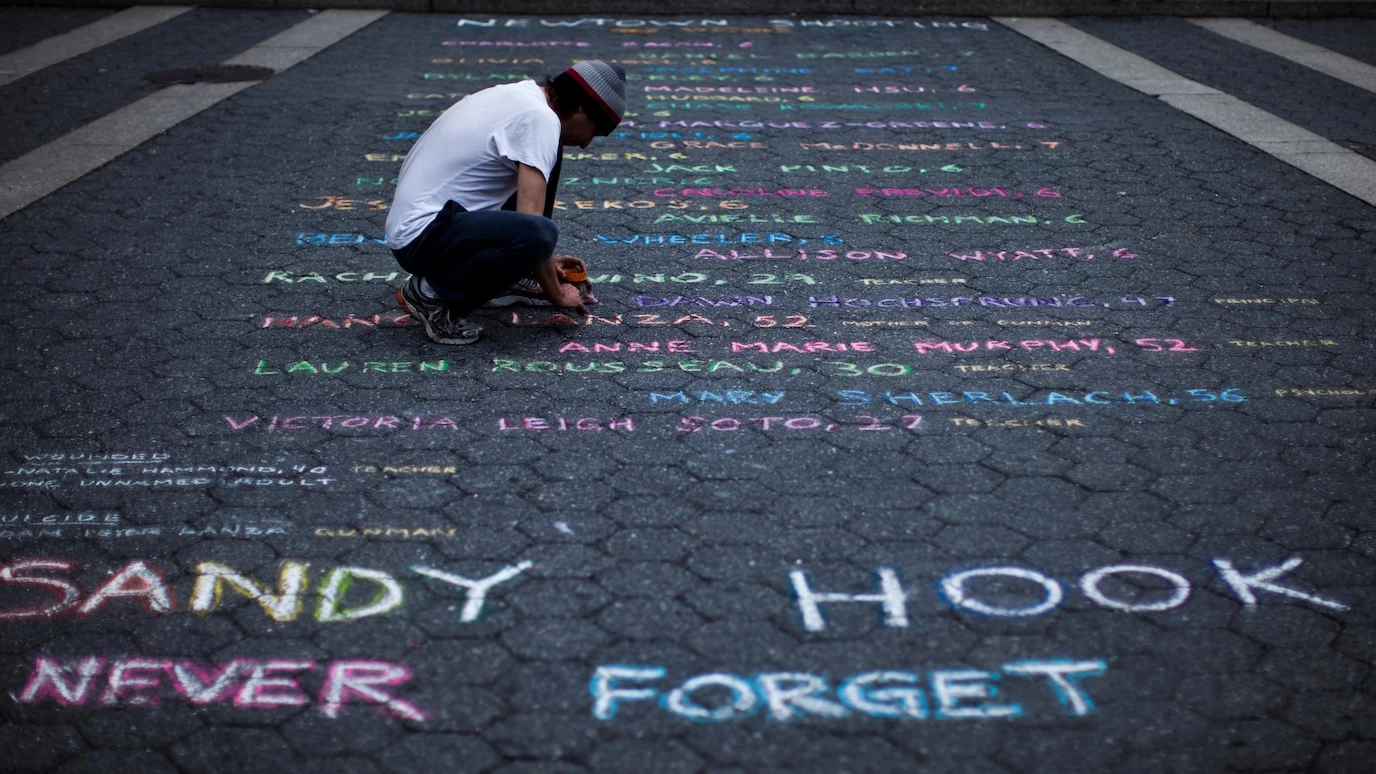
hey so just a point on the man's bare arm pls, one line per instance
(530, 199)
(530, 190)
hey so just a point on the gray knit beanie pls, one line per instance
(605, 85)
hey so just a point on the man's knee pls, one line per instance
(544, 235)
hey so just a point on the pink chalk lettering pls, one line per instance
(132, 674)
(17, 573)
(200, 686)
(266, 684)
(263, 691)
(48, 681)
(241, 425)
(362, 680)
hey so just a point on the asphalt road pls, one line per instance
(950, 405)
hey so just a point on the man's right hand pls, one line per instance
(566, 296)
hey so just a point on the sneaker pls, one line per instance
(441, 325)
(524, 292)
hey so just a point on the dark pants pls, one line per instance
(470, 257)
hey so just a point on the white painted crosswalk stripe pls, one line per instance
(25, 61)
(46, 169)
(1330, 63)
(1299, 147)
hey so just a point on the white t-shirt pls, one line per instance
(469, 154)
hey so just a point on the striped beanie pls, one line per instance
(605, 85)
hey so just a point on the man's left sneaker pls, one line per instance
(524, 292)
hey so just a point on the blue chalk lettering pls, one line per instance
(606, 694)
(860, 694)
(951, 686)
(742, 703)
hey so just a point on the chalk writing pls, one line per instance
(638, 320)
(340, 422)
(513, 43)
(348, 321)
(236, 529)
(345, 239)
(1056, 301)
(734, 192)
(1267, 301)
(85, 518)
(906, 69)
(768, 254)
(256, 684)
(1050, 323)
(609, 156)
(807, 125)
(164, 476)
(99, 457)
(475, 76)
(980, 369)
(752, 217)
(592, 424)
(1026, 345)
(904, 53)
(733, 397)
(501, 365)
(902, 89)
(366, 367)
(732, 89)
(958, 220)
(1029, 254)
(770, 238)
(140, 580)
(782, 25)
(862, 106)
(1043, 422)
(808, 347)
(1322, 392)
(290, 278)
(959, 694)
(681, 346)
(644, 301)
(866, 23)
(978, 193)
(645, 204)
(924, 146)
(921, 281)
(649, 71)
(806, 422)
(385, 533)
(1093, 398)
(78, 533)
(970, 590)
(620, 181)
(692, 277)
(687, 101)
(484, 60)
(863, 169)
(391, 470)
(1284, 343)
(45, 468)
(336, 202)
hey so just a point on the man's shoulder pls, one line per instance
(524, 100)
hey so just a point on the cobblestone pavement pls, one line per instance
(948, 406)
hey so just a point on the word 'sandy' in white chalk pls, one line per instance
(471, 219)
